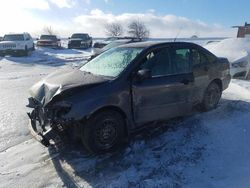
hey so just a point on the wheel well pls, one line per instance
(219, 82)
(117, 109)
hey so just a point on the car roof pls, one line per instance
(148, 44)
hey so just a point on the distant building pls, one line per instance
(243, 31)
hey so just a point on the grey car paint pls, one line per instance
(138, 101)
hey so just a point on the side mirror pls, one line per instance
(143, 74)
(69, 38)
(58, 40)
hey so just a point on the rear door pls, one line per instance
(167, 93)
(202, 69)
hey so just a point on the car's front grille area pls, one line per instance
(75, 42)
(9, 46)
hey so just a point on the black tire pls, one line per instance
(211, 97)
(103, 132)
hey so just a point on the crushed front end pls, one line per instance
(47, 124)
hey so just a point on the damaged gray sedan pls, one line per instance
(124, 89)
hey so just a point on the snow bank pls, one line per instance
(232, 48)
(237, 51)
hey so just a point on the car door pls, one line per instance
(201, 70)
(166, 94)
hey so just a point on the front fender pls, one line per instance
(83, 107)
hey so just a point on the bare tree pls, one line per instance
(114, 29)
(49, 30)
(138, 29)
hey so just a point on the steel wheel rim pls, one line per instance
(106, 133)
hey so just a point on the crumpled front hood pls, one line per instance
(62, 80)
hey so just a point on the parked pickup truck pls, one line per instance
(80, 40)
(126, 88)
(16, 44)
(49, 41)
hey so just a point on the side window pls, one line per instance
(198, 58)
(180, 60)
(211, 58)
(27, 37)
(158, 62)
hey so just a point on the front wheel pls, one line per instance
(103, 132)
(212, 97)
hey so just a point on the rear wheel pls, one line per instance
(212, 97)
(103, 132)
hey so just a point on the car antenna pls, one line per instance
(178, 34)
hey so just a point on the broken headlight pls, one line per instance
(62, 108)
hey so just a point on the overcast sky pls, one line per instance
(164, 18)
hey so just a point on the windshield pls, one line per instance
(82, 36)
(13, 38)
(48, 37)
(112, 62)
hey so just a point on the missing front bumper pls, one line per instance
(46, 138)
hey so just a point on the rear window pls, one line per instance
(13, 38)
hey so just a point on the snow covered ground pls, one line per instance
(202, 150)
